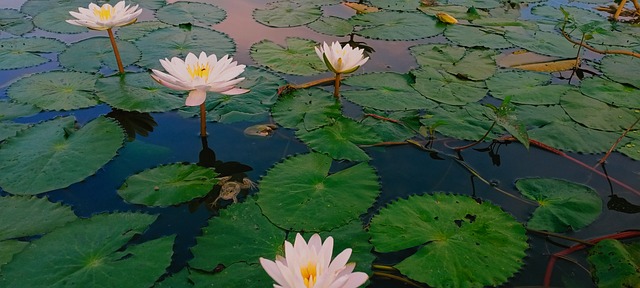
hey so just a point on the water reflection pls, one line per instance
(133, 122)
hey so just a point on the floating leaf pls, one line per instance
(401, 5)
(253, 275)
(390, 131)
(361, 8)
(340, 140)
(92, 54)
(11, 110)
(596, 114)
(56, 90)
(538, 116)
(197, 14)
(615, 264)
(175, 42)
(551, 66)
(630, 146)
(563, 206)
(179, 279)
(23, 52)
(245, 234)
(458, 122)
(31, 216)
(470, 36)
(570, 136)
(618, 67)
(542, 42)
(459, 12)
(287, 14)
(394, 25)
(92, 253)
(52, 20)
(443, 87)
(137, 92)
(526, 87)
(168, 185)
(332, 25)
(55, 154)
(472, 64)
(298, 57)
(610, 92)
(15, 22)
(297, 193)
(34, 7)
(385, 91)
(460, 243)
(507, 119)
(139, 29)
(306, 109)
(8, 248)
(482, 4)
(9, 129)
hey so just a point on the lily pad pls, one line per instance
(570, 136)
(458, 122)
(197, 14)
(472, 64)
(396, 25)
(306, 109)
(482, 4)
(443, 87)
(92, 54)
(176, 42)
(30, 216)
(470, 36)
(385, 91)
(390, 131)
(8, 248)
(340, 140)
(253, 275)
(563, 206)
(630, 146)
(15, 22)
(55, 154)
(34, 7)
(241, 234)
(332, 25)
(526, 87)
(139, 29)
(596, 114)
(56, 90)
(296, 193)
(168, 185)
(137, 92)
(458, 12)
(459, 242)
(401, 5)
(542, 42)
(287, 14)
(92, 253)
(9, 129)
(23, 52)
(617, 67)
(615, 264)
(11, 110)
(298, 57)
(52, 20)
(611, 92)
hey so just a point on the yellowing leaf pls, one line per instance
(361, 8)
(552, 66)
(446, 18)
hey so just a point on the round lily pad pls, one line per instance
(392, 132)
(331, 25)
(11, 110)
(253, 275)
(459, 242)
(443, 87)
(306, 109)
(617, 67)
(15, 22)
(596, 114)
(9, 129)
(563, 206)
(287, 14)
(198, 14)
(526, 87)
(396, 25)
(177, 42)
(139, 29)
(56, 154)
(92, 54)
(35, 7)
(611, 92)
(472, 64)
(297, 193)
(56, 90)
(137, 92)
(615, 264)
(482, 4)
(385, 91)
(401, 5)
(571, 136)
(52, 20)
(8, 248)
(542, 42)
(458, 122)
(168, 185)
(470, 36)
(23, 52)
(30, 216)
(298, 57)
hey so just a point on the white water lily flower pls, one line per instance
(106, 16)
(309, 265)
(341, 60)
(199, 75)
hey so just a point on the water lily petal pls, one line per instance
(196, 97)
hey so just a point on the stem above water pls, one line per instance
(115, 51)
(203, 120)
(336, 86)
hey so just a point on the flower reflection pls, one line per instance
(341, 60)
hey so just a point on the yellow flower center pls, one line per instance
(309, 274)
(105, 12)
(199, 70)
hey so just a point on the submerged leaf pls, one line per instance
(615, 264)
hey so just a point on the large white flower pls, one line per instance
(106, 16)
(339, 59)
(309, 265)
(199, 75)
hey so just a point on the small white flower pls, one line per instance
(341, 60)
(106, 16)
(309, 265)
(199, 75)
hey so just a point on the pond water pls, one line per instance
(403, 171)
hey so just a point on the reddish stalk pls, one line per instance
(203, 120)
(336, 87)
(115, 51)
(616, 143)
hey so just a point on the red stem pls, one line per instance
(115, 51)
(203, 121)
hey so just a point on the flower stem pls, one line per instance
(336, 86)
(115, 51)
(203, 121)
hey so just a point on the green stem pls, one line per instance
(115, 51)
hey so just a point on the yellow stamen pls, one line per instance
(309, 275)
(339, 64)
(105, 12)
(199, 70)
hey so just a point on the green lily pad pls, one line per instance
(139, 29)
(615, 264)
(287, 14)
(252, 106)
(56, 90)
(52, 20)
(137, 92)
(630, 146)
(15, 22)
(241, 234)
(298, 57)
(542, 42)
(152, 4)
(482, 4)
(470, 36)
(610, 92)
(9, 129)
(297, 193)
(618, 67)
(176, 42)
(459, 242)
(538, 116)
(306, 109)
(396, 25)
(458, 12)
(596, 114)
(179, 279)
(92, 54)
(55, 154)
(253, 275)
(30, 216)
(332, 25)
(23, 52)
(35, 7)
(507, 119)
(472, 64)
(197, 14)
(443, 87)
(385, 91)
(552, 15)
(168, 185)
(8, 248)
(526, 87)
(458, 122)
(570, 136)
(11, 110)
(563, 206)
(92, 253)
(393, 132)
(340, 140)
(401, 5)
